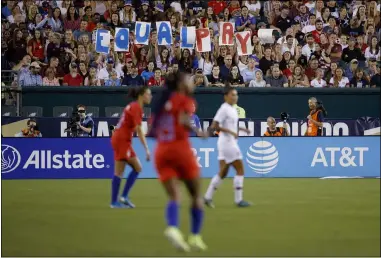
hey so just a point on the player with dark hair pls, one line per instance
(174, 159)
(229, 153)
(121, 141)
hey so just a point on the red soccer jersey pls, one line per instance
(218, 6)
(169, 129)
(76, 81)
(132, 116)
(152, 82)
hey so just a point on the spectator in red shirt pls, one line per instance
(36, 46)
(218, 6)
(73, 78)
(319, 30)
(156, 80)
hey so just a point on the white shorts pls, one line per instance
(229, 152)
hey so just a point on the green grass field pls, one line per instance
(291, 217)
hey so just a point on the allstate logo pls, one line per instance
(262, 157)
(10, 158)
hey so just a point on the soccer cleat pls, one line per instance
(127, 202)
(196, 243)
(209, 203)
(118, 205)
(176, 238)
(243, 204)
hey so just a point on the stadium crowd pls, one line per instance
(317, 43)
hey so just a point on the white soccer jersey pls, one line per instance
(228, 149)
(227, 117)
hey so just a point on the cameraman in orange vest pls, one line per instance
(315, 118)
(273, 130)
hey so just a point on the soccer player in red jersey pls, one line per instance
(174, 159)
(121, 141)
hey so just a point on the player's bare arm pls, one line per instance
(216, 126)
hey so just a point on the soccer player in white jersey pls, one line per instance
(229, 154)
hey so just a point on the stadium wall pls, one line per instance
(81, 158)
(259, 103)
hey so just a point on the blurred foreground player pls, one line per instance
(121, 141)
(229, 153)
(175, 161)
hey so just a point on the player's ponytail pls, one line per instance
(171, 85)
(135, 92)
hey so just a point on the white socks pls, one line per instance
(238, 188)
(214, 183)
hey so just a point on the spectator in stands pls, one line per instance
(276, 80)
(104, 73)
(31, 77)
(215, 79)
(226, 67)
(339, 80)
(157, 80)
(82, 30)
(309, 48)
(376, 79)
(299, 79)
(149, 72)
(17, 46)
(50, 78)
(359, 80)
(134, 79)
(319, 82)
(235, 79)
(199, 79)
(258, 80)
(373, 51)
(311, 70)
(266, 61)
(91, 78)
(36, 46)
(73, 78)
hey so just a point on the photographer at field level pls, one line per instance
(85, 124)
(273, 130)
(30, 131)
(315, 118)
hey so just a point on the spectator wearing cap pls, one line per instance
(309, 48)
(91, 78)
(145, 12)
(199, 79)
(248, 74)
(127, 15)
(157, 80)
(50, 78)
(73, 78)
(245, 21)
(284, 21)
(375, 81)
(350, 71)
(133, 79)
(31, 77)
(351, 52)
(359, 80)
(104, 73)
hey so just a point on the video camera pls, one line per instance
(73, 127)
(284, 116)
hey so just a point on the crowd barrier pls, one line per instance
(80, 158)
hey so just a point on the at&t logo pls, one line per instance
(10, 158)
(262, 157)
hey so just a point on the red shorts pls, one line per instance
(176, 160)
(122, 150)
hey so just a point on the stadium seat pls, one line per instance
(8, 111)
(31, 111)
(146, 112)
(92, 111)
(62, 111)
(114, 111)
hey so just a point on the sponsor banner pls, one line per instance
(55, 158)
(55, 127)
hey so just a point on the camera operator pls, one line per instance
(315, 118)
(30, 131)
(84, 124)
(273, 130)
